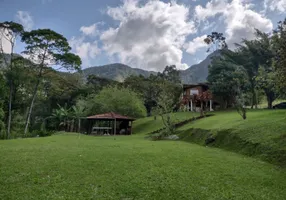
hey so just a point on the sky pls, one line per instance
(146, 34)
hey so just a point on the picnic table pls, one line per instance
(101, 130)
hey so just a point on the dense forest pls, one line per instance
(36, 97)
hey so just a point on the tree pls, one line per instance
(62, 115)
(227, 80)
(165, 108)
(117, 99)
(79, 110)
(279, 41)
(171, 74)
(2, 94)
(216, 41)
(47, 47)
(147, 88)
(266, 80)
(9, 31)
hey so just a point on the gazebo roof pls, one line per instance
(110, 115)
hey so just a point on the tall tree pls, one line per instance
(257, 56)
(9, 31)
(165, 108)
(171, 74)
(279, 42)
(216, 41)
(46, 47)
(226, 80)
(79, 111)
(266, 80)
(2, 96)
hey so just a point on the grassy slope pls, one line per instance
(129, 167)
(148, 124)
(262, 134)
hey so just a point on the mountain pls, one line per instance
(118, 72)
(195, 74)
(199, 72)
(115, 71)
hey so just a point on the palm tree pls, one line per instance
(78, 111)
(62, 115)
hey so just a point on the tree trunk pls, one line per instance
(269, 101)
(254, 103)
(202, 112)
(78, 127)
(35, 93)
(72, 125)
(31, 106)
(10, 93)
(225, 103)
(10, 110)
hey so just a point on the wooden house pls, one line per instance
(189, 100)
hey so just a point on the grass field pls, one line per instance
(262, 134)
(129, 167)
(148, 124)
(69, 166)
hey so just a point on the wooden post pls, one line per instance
(115, 126)
(191, 105)
(131, 128)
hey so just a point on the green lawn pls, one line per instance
(263, 133)
(148, 124)
(129, 167)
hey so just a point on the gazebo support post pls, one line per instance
(115, 126)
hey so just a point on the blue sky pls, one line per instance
(142, 33)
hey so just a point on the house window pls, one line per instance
(194, 91)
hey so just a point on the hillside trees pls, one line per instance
(46, 47)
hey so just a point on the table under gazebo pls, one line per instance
(109, 124)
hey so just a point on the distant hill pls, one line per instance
(199, 72)
(118, 72)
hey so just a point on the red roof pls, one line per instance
(110, 115)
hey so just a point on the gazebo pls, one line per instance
(109, 124)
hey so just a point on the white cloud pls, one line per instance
(149, 36)
(211, 9)
(238, 17)
(197, 43)
(89, 30)
(25, 19)
(84, 49)
(275, 5)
